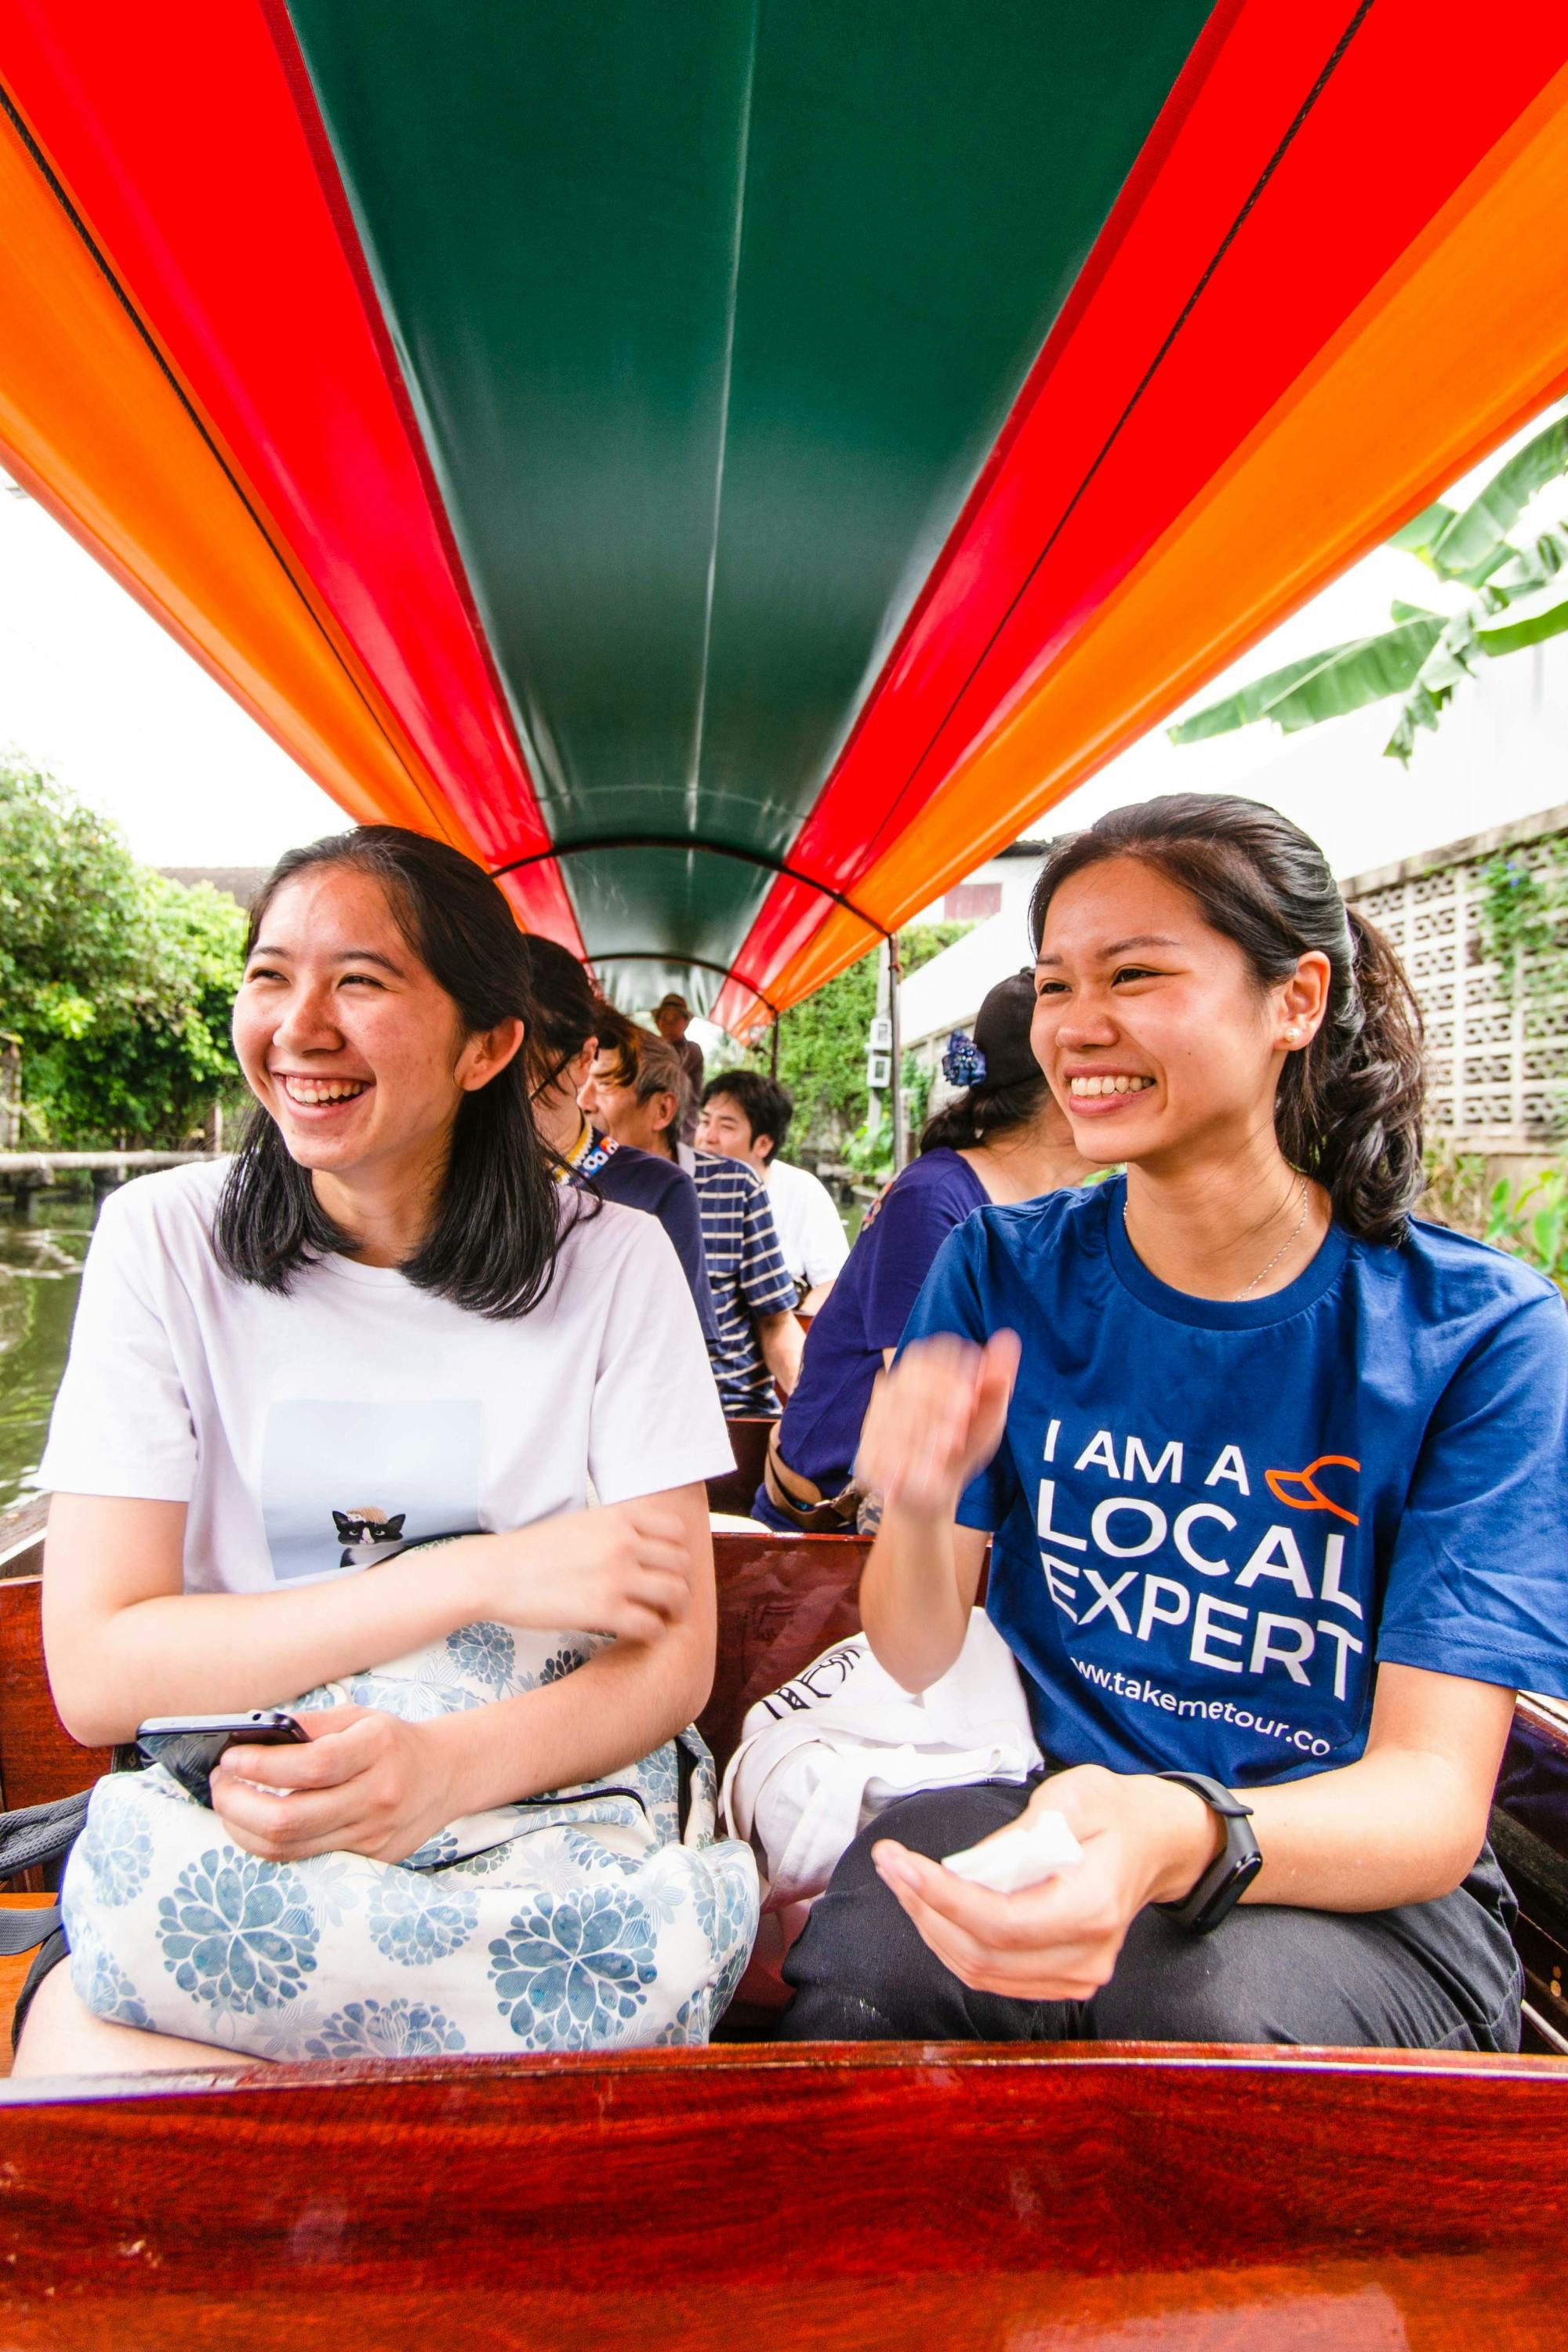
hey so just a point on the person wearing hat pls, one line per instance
(670, 1015)
(1003, 1137)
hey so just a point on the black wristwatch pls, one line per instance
(1220, 1888)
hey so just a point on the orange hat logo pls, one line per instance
(1307, 1495)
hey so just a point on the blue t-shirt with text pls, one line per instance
(1212, 1519)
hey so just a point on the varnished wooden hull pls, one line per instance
(1124, 2200)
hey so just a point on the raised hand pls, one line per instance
(935, 1421)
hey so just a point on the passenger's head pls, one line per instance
(562, 1037)
(380, 1025)
(637, 1090)
(1199, 972)
(745, 1116)
(670, 1016)
(1004, 1086)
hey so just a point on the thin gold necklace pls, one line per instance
(1263, 1273)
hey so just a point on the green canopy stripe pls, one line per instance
(707, 357)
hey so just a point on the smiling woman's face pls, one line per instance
(346, 1038)
(1150, 1027)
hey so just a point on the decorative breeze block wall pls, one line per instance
(1497, 1072)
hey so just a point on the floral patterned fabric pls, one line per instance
(588, 1919)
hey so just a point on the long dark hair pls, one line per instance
(1348, 1109)
(493, 1241)
(567, 1012)
(974, 1117)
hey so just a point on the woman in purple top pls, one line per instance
(1004, 1138)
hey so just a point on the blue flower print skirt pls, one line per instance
(589, 1919)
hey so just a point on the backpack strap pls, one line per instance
(22, 1928)
(36, 1834)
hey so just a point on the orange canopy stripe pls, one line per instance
(95, 427)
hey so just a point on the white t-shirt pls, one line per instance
(301, 1427)
(811, 1232)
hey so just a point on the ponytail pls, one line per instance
(973, 1117)
(1348, 1109)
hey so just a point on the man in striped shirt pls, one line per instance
(638, 1093)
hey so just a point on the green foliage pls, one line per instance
(1323, 686)
(1522, 913)
(117, 982)
(922, 941)
(1456, 1192)
(1471, 545)
(868, 1154)
(1424, 655)
(822, 1055)
(1531, 1220)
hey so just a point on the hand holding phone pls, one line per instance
(188, 1746)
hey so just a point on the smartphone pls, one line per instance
(188, 1746)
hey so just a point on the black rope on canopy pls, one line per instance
(715, 849)
(673, 956)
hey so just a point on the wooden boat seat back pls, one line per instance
(734, 1490)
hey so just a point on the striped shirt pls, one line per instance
(747, 1273)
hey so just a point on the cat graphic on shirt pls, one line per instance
(368, 1535)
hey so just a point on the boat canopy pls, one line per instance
(727, 465)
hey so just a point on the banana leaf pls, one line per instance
(1531, 567)
(1423, 532)
(1453, 658)
(1474, 542)
(1324, 686)
(1533, 630)
(1422, 709)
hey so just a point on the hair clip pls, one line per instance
(963, 1064)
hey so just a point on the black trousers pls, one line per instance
(1430, 1976)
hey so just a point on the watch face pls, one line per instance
(1239, 1873)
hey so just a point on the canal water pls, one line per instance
(40, 1274)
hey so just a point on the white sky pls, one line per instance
(93, 688)
(90, 687)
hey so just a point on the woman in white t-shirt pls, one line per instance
(380, 1323)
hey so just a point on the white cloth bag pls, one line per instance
(824, 1754)
(605, 1917)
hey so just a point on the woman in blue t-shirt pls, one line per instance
(1003, 1138)
(1277, 1487)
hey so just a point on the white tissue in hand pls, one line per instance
(1019, 1857)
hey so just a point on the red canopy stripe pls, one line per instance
(187, 157)
(1302, 167)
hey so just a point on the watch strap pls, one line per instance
(1221, 1885)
